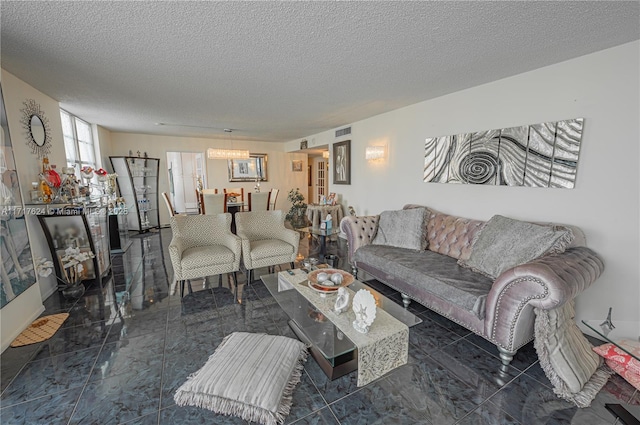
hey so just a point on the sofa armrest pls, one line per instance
(545, 283)
(360, 231)
(234, 243)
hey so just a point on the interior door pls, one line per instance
(321, 179)
(184, 169)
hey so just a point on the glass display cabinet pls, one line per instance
(138, 185)
(82, 227)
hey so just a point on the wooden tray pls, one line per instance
(347, 279)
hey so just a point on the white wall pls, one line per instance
(603, 88)
(279, 172)
(102, 137)
(21, 311)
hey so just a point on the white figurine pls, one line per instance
(342, 302)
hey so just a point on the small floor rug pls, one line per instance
(40, 330)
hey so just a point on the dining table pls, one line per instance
(233, 208)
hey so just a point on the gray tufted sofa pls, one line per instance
(500, 310)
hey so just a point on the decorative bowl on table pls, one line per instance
(329, 280)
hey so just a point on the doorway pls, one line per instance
(318, 178)
(184, 170)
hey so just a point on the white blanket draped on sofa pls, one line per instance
(576, 372)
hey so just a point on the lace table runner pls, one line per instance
(384, 348)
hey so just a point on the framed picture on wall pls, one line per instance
(296, 165)
(248, 170)
(16, 260)
(342, 162)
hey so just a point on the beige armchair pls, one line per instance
(203, 245)
(265, 240)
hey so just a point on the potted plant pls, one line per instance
(297, 214)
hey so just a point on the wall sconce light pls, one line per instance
(375, 153)
(325, 154)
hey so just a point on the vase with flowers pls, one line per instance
(73, 268)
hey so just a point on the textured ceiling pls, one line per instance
(277, 71)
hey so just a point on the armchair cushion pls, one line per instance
(267, 248)
(504, 243)
(201, 256)
(402, 229)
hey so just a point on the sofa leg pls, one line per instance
(506, 356)
(406, 300)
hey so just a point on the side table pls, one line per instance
(318, 213)
(322, 235)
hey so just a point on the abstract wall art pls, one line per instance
(537, 155)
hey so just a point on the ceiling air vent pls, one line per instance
(343, 131)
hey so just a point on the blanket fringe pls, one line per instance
(585, 396)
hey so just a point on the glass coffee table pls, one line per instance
(333, 351)
(606, 331)
(610, 334)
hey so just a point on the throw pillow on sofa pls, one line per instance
(504, 243)
(402, 229)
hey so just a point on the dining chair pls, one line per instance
(202, 246)
(200, 198)
(266, 242)
(214, 203)
(167, 201)
(273, 195)
(258, 201)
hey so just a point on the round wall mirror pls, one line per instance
(36, 127)
(37, 130)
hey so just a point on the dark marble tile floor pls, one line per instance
(129, 344)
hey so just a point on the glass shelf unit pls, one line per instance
(138, 185)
